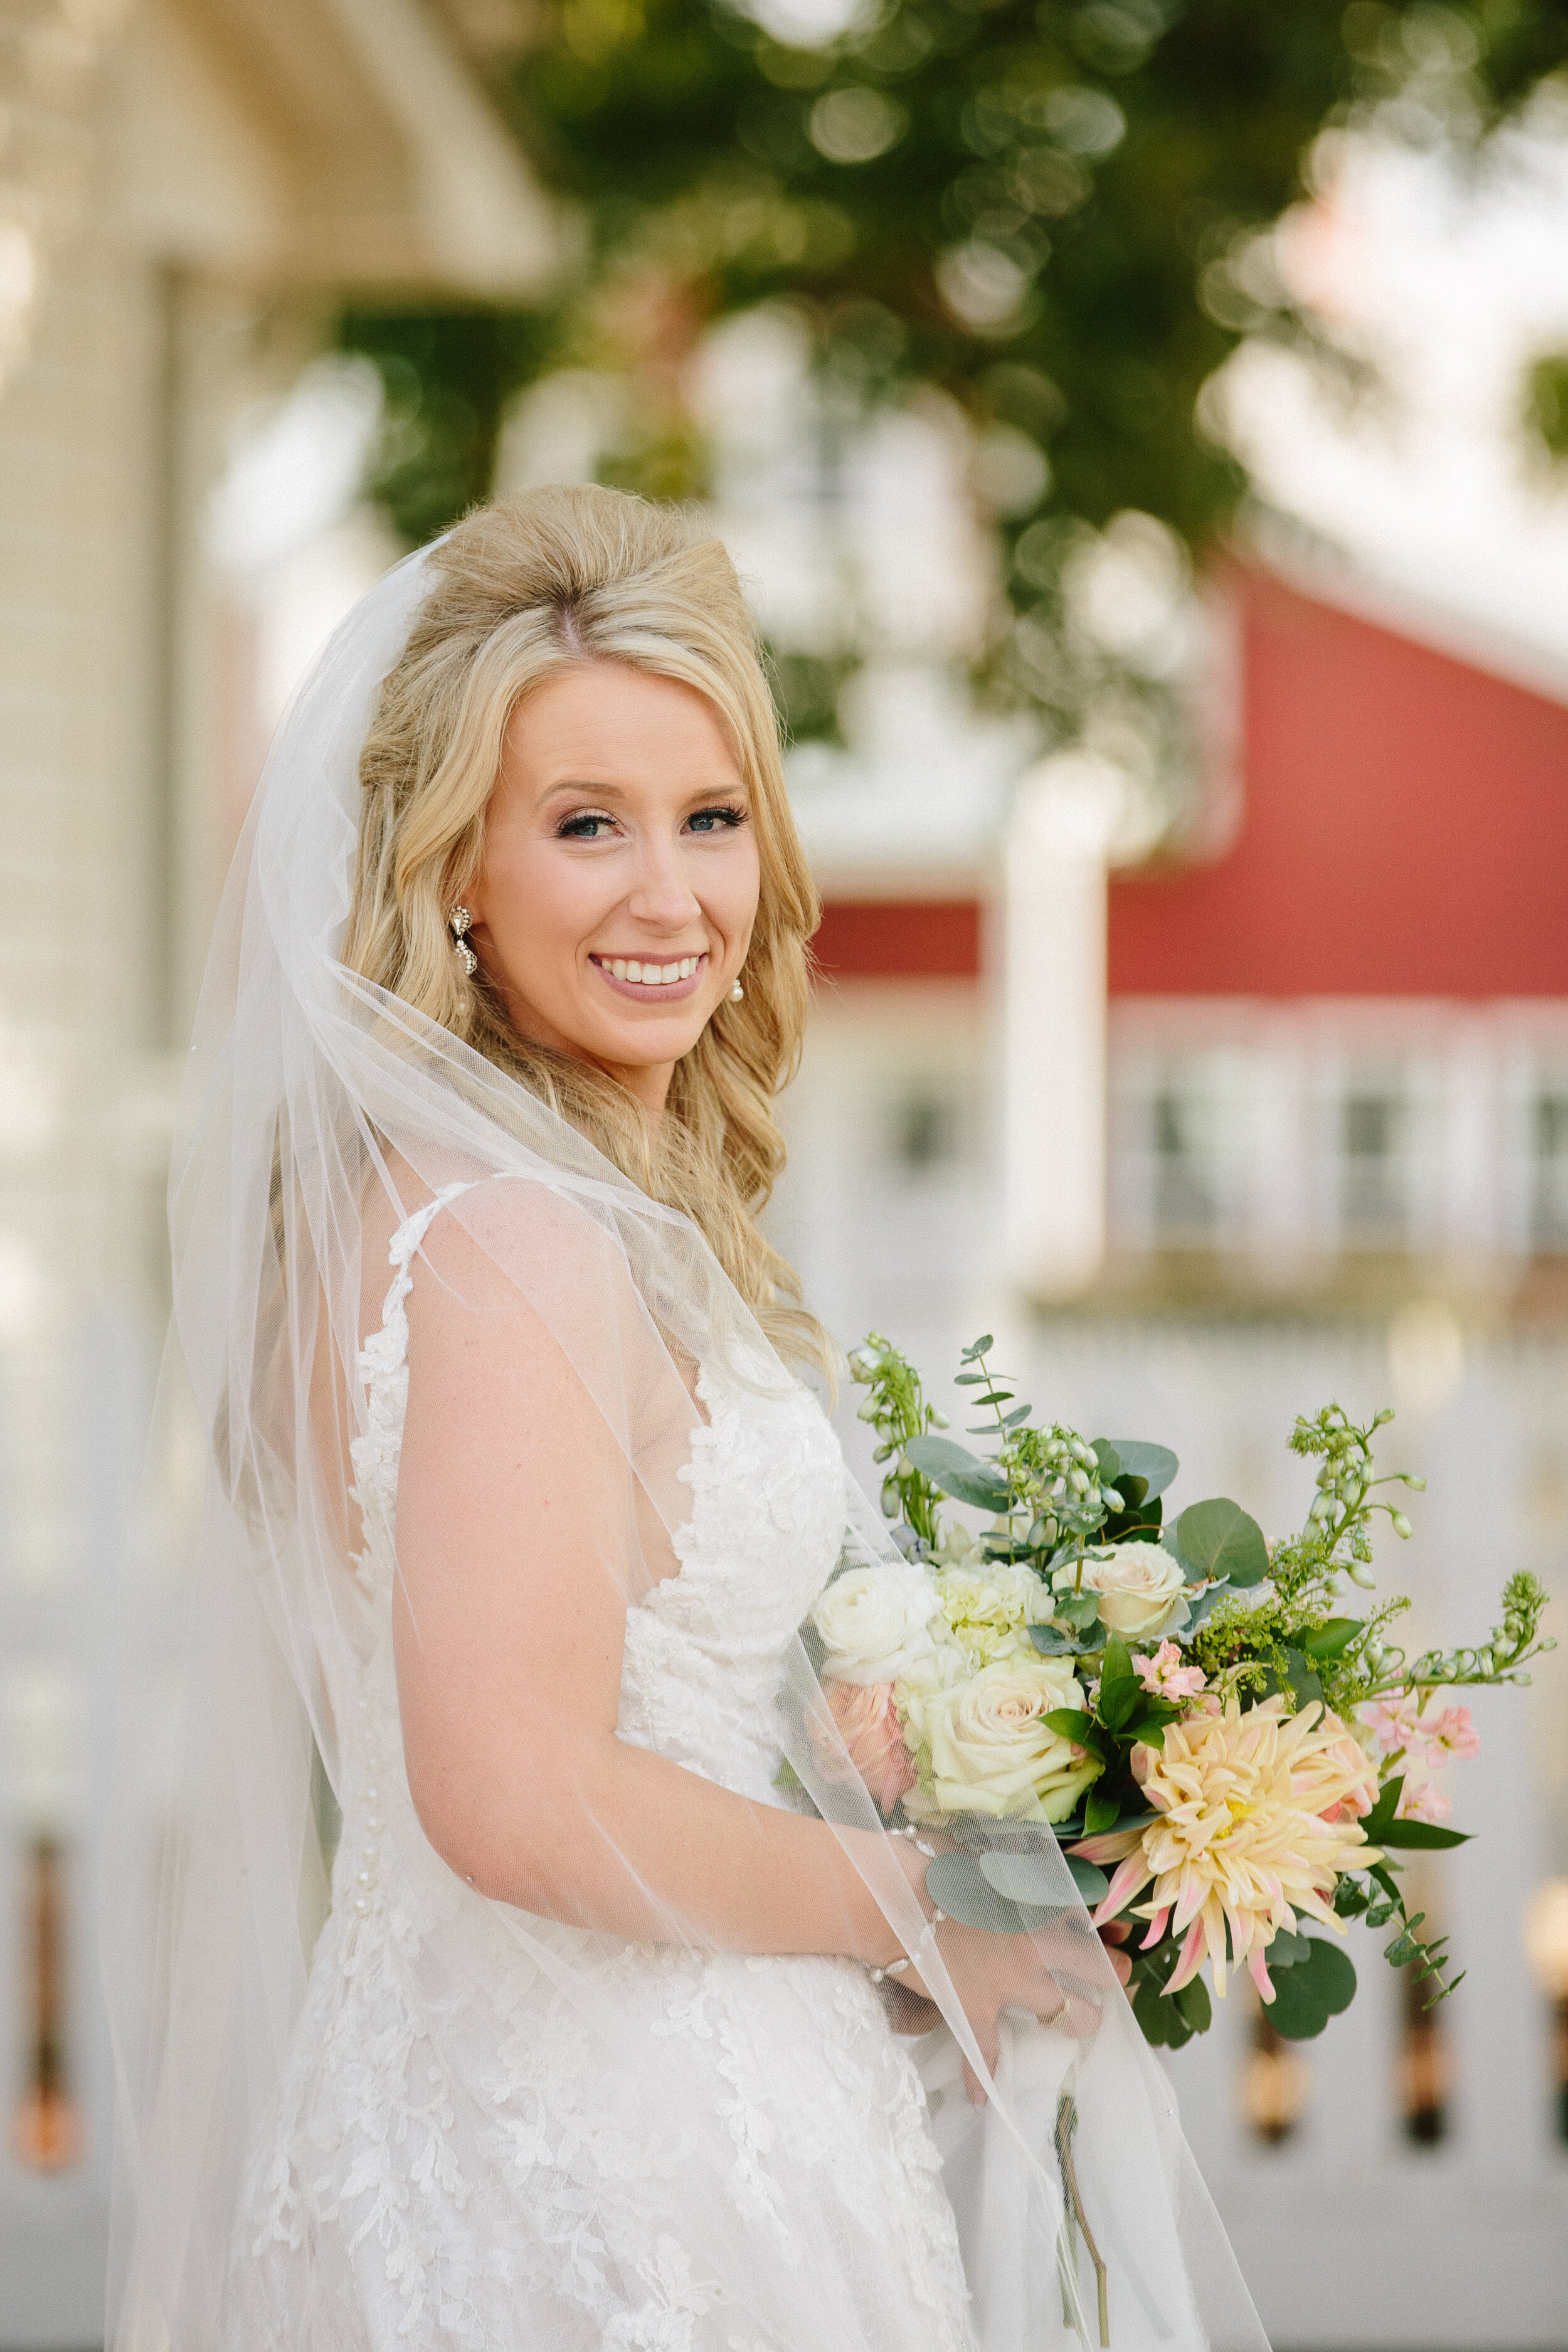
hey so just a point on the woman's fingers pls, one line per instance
(1113, 1934)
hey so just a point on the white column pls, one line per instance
(1064, 818)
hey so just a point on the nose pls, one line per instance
(660, 895)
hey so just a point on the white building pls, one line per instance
(1207, 1146)
(183, 195)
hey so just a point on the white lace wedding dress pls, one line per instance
(453, 2162)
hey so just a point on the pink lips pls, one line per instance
(671, 992)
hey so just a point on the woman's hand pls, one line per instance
(1048, 1976)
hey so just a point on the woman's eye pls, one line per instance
(586, 828)
(722, 819)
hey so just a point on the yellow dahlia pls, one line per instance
(1241, 1840)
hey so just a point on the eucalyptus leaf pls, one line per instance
(1200, 1611)
(1286, 1949)
(1333, 1973)
(1107, 1458)
(1155, 1463)
(1221, 1539)
(955, 1471)
(957, 1883)
(1295, 2013)
(1027, 1875)
(1189, 1568)
(1192, 2001)
(1078, 1609)
(1164, 2025)
(1089, 1878)
(1049, 1640)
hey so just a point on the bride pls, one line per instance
(603, 2042)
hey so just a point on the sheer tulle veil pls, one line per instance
(315, 1106)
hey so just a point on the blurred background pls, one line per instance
(1144, 429)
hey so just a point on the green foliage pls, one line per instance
(446, 376)
(1508, 1647)
(896, 1408)
(1546, 403)
(1308, 1990)
(1218, 1539)
(1257, 1623)
(1044, 208)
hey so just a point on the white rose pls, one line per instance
(1141, 1588)
(875, 1622)
(985, 1745)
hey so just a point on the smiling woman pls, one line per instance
(577, 751)
(513, 1516)
(619, 885)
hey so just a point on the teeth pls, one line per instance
(651, 975)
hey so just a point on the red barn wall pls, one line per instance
(1404, 830)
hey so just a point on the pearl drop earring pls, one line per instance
(736, 993)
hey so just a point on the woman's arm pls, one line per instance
(517, 1536)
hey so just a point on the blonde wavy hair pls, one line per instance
(525, 589)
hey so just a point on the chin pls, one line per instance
(645, 1043)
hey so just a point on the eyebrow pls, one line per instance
(607, 791)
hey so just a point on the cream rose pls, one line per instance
(1139, 1586)
(875, 1622)
(984, 1747)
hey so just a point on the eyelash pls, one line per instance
(567, 830)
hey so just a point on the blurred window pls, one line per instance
(1374, 1184)
(924, 1132)
(1185, 1195)
(1549, 1205)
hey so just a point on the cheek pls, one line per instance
(541, 906)
(732, 898)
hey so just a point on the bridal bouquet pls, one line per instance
(1222, 1750)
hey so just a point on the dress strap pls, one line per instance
(384, 1351)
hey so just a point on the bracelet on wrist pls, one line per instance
(922, 1950)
